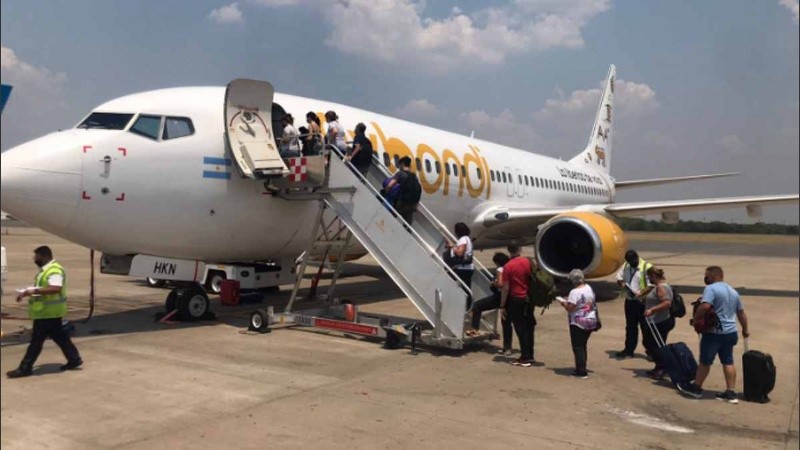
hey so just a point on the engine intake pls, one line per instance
(581, 240)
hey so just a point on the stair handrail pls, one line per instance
(432, 252)
(433, 219)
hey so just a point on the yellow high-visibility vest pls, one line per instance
(51, 306)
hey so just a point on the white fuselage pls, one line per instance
(123, 193)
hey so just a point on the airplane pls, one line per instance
(161, 173)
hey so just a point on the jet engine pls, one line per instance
(581, 240)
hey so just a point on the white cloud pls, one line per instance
(19, 73)
(397, 32)
(794, 7)
(419, 109)
(271, 3)
(37, 104)
(502, 128)
(732, 144)
(228, 14)
(630, 98)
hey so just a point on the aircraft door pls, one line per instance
(248, 128)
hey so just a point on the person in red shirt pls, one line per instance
(514, 303)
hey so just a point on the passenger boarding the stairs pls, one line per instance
(313, 139)
(361, 155)
(290, 140)
(336, 132)
(461, 257)
(493, 302)
(410, 190)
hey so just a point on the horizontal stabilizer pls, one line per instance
(658, 181)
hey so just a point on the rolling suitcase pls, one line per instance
(759, 375)
(677, 359)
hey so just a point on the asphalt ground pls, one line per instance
(214, 385)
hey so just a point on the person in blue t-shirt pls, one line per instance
(719, 342)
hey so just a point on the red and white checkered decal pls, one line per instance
(297, 169)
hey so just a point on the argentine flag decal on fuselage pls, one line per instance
(216, 167)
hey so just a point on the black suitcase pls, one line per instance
(759, 375)
(677, 358)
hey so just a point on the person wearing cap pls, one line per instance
(633, 280)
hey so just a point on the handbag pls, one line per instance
(597, 316)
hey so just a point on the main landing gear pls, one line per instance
(190, 303)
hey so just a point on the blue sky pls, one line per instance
(706, 86)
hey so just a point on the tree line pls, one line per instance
(693, 226)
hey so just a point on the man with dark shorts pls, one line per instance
(720, 341)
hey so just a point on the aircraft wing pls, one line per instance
(659, 181)
(533, 216)
(657, 207)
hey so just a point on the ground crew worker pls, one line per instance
(47, 306)
(632, 278)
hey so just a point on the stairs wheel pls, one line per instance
(259, 321)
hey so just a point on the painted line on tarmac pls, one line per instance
(650, 421)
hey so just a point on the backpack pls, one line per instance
(708, 322)
(411, 190)
(542, 287)
(392, 194)
(677, 308)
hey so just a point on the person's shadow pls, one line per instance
(47, 369)
(567, 371)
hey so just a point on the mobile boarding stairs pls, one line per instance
(350, 206)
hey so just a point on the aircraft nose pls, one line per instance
(40, 181)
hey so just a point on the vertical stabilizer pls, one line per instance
(598, 151)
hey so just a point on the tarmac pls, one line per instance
(214, 385)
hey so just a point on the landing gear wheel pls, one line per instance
(154, 282)
(192, 303)
(259, 321)
(214, 283)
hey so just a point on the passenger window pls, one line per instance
(463, 171)
(526, 181)
(491, 174)
(428, 166)
(396, 162)
(438, 168)
(520, 179)
(147, 126)
(537, 182)
(504, 177)
(419, 165)
(176, 127)
(386, 159)
(478, 170)
(447, 169)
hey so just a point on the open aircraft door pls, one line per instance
(248, 128)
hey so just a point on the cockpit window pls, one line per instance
(147, 126)
(106, 121)
(175, 127)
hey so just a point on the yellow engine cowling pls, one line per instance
(581, 240)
